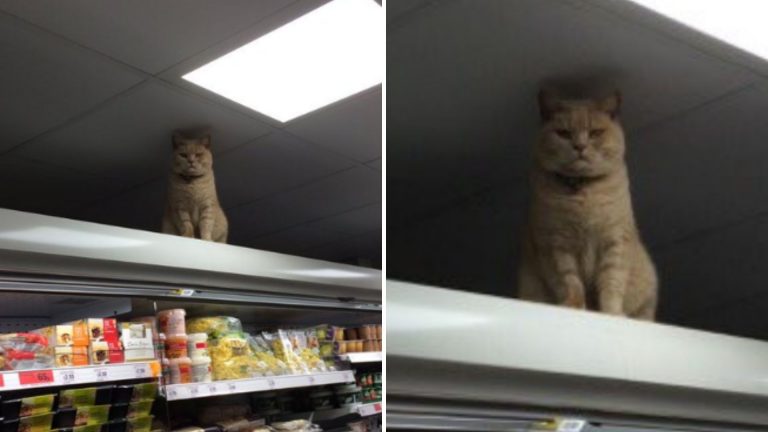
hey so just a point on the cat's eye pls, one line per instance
(563, 133)
(596, 133)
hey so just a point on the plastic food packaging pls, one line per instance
(176, 346)
(379, 333)
(171, 321)
(267, 362)
(26, 407)
(144, 391)
(232, 358)
(214, 327)
(201, 369)
(85, 396)
(26, 342)
(23, 360)
(71, 356)
(38, 423)
(180, 370)
(139, 409)
(197, 345)
(140, 424)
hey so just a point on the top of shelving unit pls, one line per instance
(508, 351)
(363, 357)
(34, 247)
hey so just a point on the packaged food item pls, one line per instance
(201, 369)
(76, 397)
(24, 360)
(80, 333)
(293, 425)
(267, 363)
(95, 329)
(379, 333)
(350, 334)
(144, 391)
(321, 399)
(37, 423)
(138, 341)
(139, 409)
(326, 349)
(180, 370)
(214, 327)
(171, 321)
(197, 345)
(140, 424)
(232, 358)
(64, 335)
(91, 415)
(106, 353)
(25, 407)
(70, 357)
(176, 346)
(25, 342)
(348, 395)
(110, 330)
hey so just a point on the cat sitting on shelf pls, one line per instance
(193, 208)
(581, 247)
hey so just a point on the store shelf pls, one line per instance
(369, 409)
(26, 379)
(220, 388)
(363, 357)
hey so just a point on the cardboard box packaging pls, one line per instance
(106, 353)
(80, 334)
(110, 330)
(71, 356)
(64, 335)
(96, 329)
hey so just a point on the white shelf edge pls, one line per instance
(56, 377)
(219, 388)
(363, 357)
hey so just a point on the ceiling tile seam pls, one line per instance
(672, 37)
(733, 93)
(227, 38)
(340, 241)
(289, 189)
(402, 19)
(77, 117)
(320, 219)
(74, 43)
(330, 150)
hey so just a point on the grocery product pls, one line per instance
(25, 407)
(176, 346)
(70, 356)
(106, 352)
(145, 391)
(171, 321)
(140, 424)
(180, 370)
(201, 369)
(22, 360)
(214, 327)
(85, 396)
(138, 341)
(64, 335)
(37, 423)
(139, 409)
(267, 363)
(232, 358)
(23, 342)
(197, 345)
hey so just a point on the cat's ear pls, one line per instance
(549, 103)
(205, 140)
(176, 139)
(610, 104)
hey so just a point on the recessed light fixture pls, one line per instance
(738, 22)
(328, 54)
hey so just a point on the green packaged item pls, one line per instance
(87, 428)
(139, 409)
(77, 397)
(31, 406)
(214, 327)
(140, 424)
(146, 391)
(92, 415)
(36, 423)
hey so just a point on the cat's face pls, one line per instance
(580, 138)
(192, 156)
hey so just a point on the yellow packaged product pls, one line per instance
(268, 364)
(214, 327)
(231, 358)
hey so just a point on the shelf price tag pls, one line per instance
(67, 376)
(377, 407)
(194, 391)
(102, 374)
(232, 387)
(173, 394)
(311, 380)
(271, 383)
(140, 370)
(212, 389)
(40, 377)
(570, 425)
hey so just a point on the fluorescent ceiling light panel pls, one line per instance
(738, 22)
(328, 54)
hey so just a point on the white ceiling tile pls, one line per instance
(130, 139)
(45, 80)
(150, 35)
(323, 198)
(271, 164)
(351, 127)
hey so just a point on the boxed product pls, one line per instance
(110, 330)
(95, 329)
(85, 396)
(143, 392)
(71, 356)
(139, 409)
(82, 416)
(138, 342)
(26, 407)
(80, 333)
(38, 423)
(106, 352)
(24, 360)
(140, 424)
(64, 335)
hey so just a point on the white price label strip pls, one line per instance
(66, 376)
(102, 374)
(570, 425)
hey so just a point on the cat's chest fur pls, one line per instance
(191, 197)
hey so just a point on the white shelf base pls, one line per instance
(363, 357)
(25, 379)
(250, 385)
(370, 409)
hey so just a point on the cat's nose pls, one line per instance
(579, 146)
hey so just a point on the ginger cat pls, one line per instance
(581, 247)
(193, 208)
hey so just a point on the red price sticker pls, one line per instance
(377, 407)
(36, 377)
(2, 383)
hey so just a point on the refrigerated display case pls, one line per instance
(55, 271)
(465, 361)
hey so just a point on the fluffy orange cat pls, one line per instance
(193, 208)
(581, 247)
